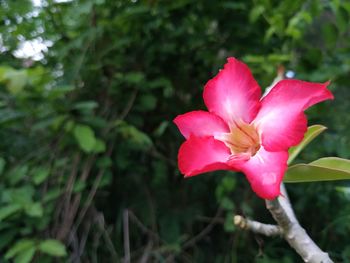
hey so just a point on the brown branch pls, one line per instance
(134, 219)
(101, 223)
(129, 105)
(204, 232)
(147, 253)
(70, 184)
(126, 236)
(92, 193)
(257, 227)
(73, 206)
(89, 199)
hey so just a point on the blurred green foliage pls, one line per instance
(88, 148)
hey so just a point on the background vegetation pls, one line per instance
(87, 144)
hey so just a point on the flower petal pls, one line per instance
(281, 120)
(202, 154)
(233, 94)
(265, 171)
(200, 123)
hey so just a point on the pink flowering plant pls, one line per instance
(246, 132)
(243, 131)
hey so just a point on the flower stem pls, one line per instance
(293, 232)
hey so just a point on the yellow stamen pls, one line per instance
(243, 138)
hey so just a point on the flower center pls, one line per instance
(243, 138)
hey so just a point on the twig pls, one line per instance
(129, 105)
(84, 238)
(70, 183)
(155, 153)
(95, 244)
(147, 253)
(204, 232)
(145, 230)
(74, 258)
(70, 213)
(257, 227)
(126, 236)
(100, 220)
(92, 192)
(293, 233)
(89, 199)
(208, 219)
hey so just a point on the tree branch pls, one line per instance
(257, 227)
(204, 232)
(294, 234)
(126, 236)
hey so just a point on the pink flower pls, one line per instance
(244, 132)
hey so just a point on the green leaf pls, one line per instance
(228, 225)
(9, 115)
(256, 12)
(330, 34)
(84, 8)
(53, 247)
(159, 131)
(324, 169)
(69, 125)
(8, 210)
(79, 186)
(22, 195)
(344, 190)
(2, 165)
(20, 246)
(333, 162)
(135, 136)
(229, 183)
(7, 237)
(134, 77)
(60, 91)
(52, 194)
(3, 72)
(106, 179)
(25, 256)
(148, 102)
(86, 105)
(85, 137)
(100, 146)
(17, 174)
(16, 80)
(34, 210)
(227, 204)
(342, 20)
(40, 174)
(312, 132)
(104, 162)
